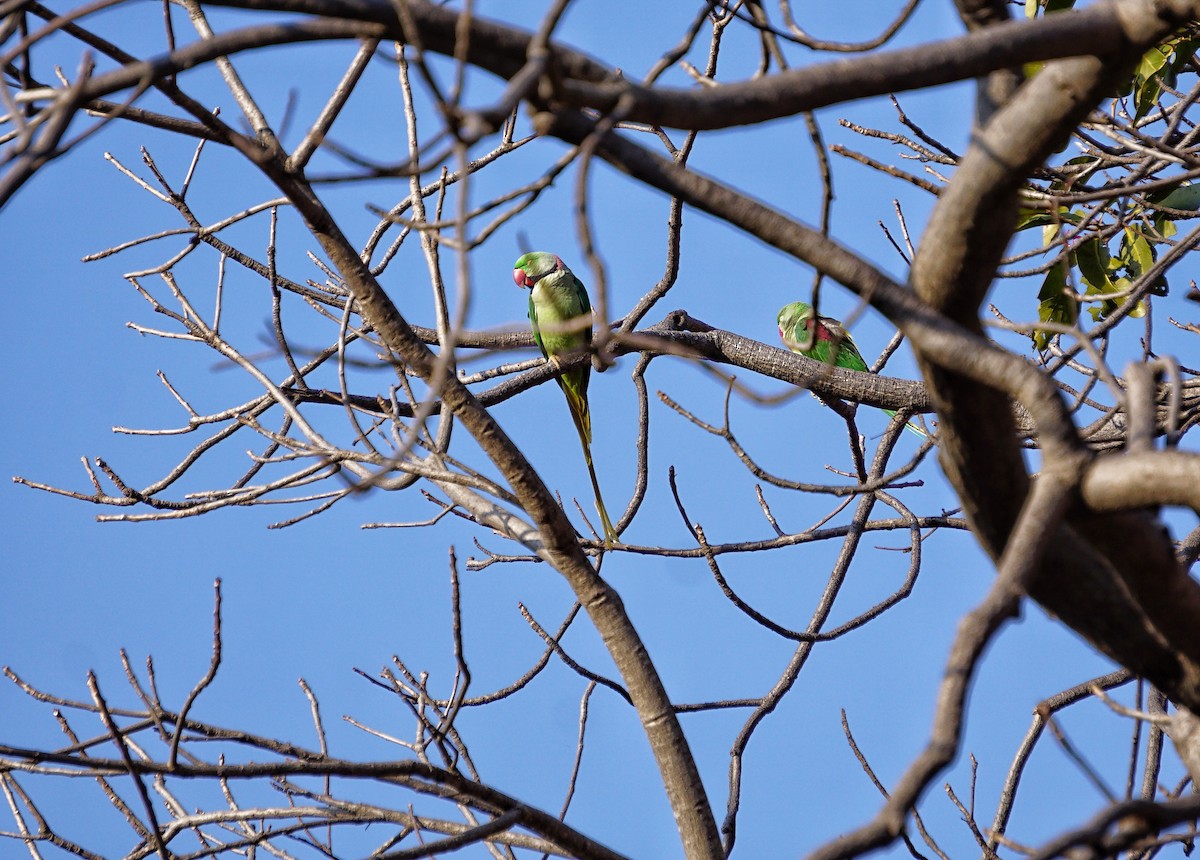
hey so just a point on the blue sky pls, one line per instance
(324, 597)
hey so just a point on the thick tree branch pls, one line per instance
(1124, 482)
(683, 335)
(953, 270)
(581, 81)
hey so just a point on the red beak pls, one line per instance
(521, 279)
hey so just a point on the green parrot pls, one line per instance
(559, 303)
(817, 338)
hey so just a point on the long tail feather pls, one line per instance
(610, 534)
(910, 426)
(581, 415)
(583, 425)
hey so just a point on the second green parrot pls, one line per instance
(817, 337)
(560, 313)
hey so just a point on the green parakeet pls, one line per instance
(818, 337)
(560, 313)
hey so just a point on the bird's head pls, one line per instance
(794, 318)
(532, 267)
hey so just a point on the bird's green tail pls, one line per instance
(610, 534)
(583, 425)
(910, 426)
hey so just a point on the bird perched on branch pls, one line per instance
(824, 339)
(561, 315)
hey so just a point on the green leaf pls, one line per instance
(1185, 49)
(1103, 309)
(1147, 76)
(1141, 256)
(1136, 254)
(1145, 95)
(1163, 225)
(1183, 196)
(1097, 269)
(1093, 261)
(1159, 66)
(1056, 304)
(1027, 218)
(1153, 60)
